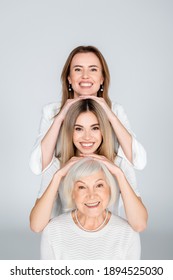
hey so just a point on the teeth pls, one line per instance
(85, 84)
(87, 144)
(92, 204)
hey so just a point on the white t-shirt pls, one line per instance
(48, 115)
(62, 239)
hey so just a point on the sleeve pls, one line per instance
(138, 151)
(46, 250)
(134, 248)
(35, 162)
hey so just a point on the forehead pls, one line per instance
(92, 178)
(85, 59)
(86, 118)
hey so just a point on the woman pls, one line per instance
(89, 231)
(85, 74)
(86, 131)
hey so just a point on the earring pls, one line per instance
(101, 88)
(69, 87)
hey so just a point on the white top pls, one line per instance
(48, 115)
(60, 206)
(62, 239)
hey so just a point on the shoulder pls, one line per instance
(50, 110)
(122, 229)
(61, 219)
(57, 225)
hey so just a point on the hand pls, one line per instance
(64, 170)
(101, 101)
(113, 168)
(66, 107)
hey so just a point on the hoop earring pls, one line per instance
(69, 87)
(101, 88)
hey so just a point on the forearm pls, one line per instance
(136, 212)
(49, 141)
(123, 136)
(41, 212)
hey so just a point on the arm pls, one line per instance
(48, 113)
(41, 212)
(44, 149)
(49, 141)
(136, 212)
(139, 158)
(123, 136)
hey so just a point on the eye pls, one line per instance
(96, 128)
(81, 187)
(99, 186)
(77, 128)
(93, 69)
(77, 69)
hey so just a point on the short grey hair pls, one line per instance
(86, 167)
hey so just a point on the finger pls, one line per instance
(88, 97)
(99, 157)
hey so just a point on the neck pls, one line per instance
(88, 223)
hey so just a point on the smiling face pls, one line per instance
(91, 194)
(87, 136)
(85, 74)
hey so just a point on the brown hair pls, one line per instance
(68, 149)
(66, 71)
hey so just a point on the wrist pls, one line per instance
(58, 176)
(59, 118)
(118, 173)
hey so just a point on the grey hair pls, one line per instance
(86, 167)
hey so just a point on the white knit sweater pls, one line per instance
(62, 239)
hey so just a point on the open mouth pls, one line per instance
(93, 204)
(87, 145)
(85, 84)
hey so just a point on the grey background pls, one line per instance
(136, 38)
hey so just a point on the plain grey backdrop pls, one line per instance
(136, 38)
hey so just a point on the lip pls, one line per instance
(87, 145)
(92, 205)
(86, 84)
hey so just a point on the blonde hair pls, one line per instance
(68, 149)
(86, 167)
(66, 94)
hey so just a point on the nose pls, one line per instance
(87, 135)
(91, 194)
(85, 74)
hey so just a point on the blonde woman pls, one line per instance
(86, 131)
(85, 74)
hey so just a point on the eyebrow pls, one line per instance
(91, 125)
(88, 66)
(80, 181)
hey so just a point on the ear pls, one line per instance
(72, 195)
(69, 79)
(102, 81)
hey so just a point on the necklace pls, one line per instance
(92, 230)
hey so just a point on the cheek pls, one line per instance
(75, 137)
(99, 137)
(77, 196)
(106, 195)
